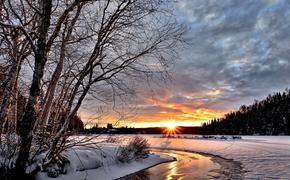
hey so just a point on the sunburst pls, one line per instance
(171, 128)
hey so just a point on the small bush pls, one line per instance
(9, 146)
(137, 148)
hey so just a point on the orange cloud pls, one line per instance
(184, 117)
(154, 112)
(215, 92)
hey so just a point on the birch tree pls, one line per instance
(15, 47)
(82, 47)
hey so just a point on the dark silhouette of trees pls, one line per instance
(270, 116)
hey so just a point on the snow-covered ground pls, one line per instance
(262, 157)
(98, 162)
(112, 171)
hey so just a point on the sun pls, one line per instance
(170, 126)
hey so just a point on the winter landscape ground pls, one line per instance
(260, 157)
(75, 72)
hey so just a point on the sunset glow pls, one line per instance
(171, 128)
(170, 125)
(174, 115)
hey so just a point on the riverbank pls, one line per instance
(111, 171)
(229, 169)
(261, 157)
(190, 165)
(258, 157)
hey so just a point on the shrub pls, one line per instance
(137, 148)
(9, 145)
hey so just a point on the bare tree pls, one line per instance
(66, 35)
(84, 47)
(15, 48)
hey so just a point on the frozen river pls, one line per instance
(189, 166)
(261, 157)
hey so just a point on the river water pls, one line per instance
(189, 166)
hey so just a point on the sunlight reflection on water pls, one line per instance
(187, 166)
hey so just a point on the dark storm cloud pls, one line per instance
(238, 47)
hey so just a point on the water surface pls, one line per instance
(188, 166)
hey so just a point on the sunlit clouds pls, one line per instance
(238, 52)
(215, 92)
(162, 113)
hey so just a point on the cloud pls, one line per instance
(238, 47)
(238, 52)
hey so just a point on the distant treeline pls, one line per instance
(267, 117)
(149, 130)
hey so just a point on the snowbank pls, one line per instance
(104, 161)
(263, 157)
(111, 171)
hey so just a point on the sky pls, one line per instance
(238, 52)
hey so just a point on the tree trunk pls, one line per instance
(8, 114)
(29, 117)
(50, 92)
(56, 74)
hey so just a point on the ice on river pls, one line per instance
(262, 157)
